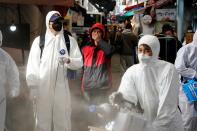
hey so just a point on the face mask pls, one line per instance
(144, 58)
(57, 26)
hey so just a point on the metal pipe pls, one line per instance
(180, 20)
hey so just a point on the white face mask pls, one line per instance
(144, 58)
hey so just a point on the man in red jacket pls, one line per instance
(96, 78)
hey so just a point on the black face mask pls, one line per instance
(57, 26)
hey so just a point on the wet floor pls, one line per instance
(20, 113)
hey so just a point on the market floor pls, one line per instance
(19, 110)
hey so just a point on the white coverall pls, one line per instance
(186, 65)
(9, 76)
(155, 85)
(47, 77)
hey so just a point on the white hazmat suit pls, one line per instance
(9, 76)
(47, 77)
(155, 85)
(186, 65)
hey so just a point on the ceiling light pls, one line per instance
(13, 28)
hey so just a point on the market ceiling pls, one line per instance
(66, 3)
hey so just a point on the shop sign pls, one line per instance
(165, 14)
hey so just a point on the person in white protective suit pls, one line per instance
(9, 76)
(186, 65)
(154, 84)
(46, 76)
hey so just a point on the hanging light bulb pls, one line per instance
(13, 27)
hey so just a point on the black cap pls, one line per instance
(55, 17)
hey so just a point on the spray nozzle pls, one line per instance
(92, 108)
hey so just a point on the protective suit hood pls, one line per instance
(1, 38)
(154, 44)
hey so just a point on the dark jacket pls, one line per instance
(127, 42)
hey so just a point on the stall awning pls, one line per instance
(134, 6)
(124, 16)
(66, 3)
(128, 14)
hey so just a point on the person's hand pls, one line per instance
(63, 60)
(67, 60)
(115, 98)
